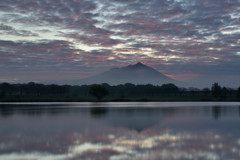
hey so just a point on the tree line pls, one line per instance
(123, 92)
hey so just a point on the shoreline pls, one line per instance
(117, 100)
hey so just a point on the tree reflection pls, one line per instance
(4, 111)
(239, 110)
(32, 109)
(98, 112)
(216, 112)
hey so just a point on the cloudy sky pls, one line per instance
(45, 40)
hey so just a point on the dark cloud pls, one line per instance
(37, 55)
(45, 60)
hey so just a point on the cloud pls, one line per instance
(43, 60)
(164, 33)
(38, 55)
(9, 30)
(95, 40)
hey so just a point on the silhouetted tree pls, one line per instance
(238, 92)
(206, 91)
(169, 88)
(5, 88)
(98, 91)
(193, 90)
(106, 85)
(126, 91)
(224, 92)
(182, 91)
(2, 94)
(56, 89)
(216, 90)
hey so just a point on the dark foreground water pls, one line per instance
(120, 131)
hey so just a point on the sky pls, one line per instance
(188, 40)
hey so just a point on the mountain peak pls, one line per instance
(138, 65)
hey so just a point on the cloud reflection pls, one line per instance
(130, 145)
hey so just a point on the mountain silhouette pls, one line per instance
(136, 74)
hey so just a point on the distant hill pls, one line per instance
(136, 74)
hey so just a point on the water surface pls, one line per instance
(120, 131)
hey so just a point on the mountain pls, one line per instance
(136, 74)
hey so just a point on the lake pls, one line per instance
(120, 131)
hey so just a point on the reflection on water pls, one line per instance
(120, 131)
(98, 111)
